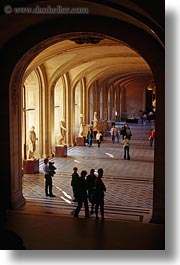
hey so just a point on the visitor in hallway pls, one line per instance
(82, 195)
(75, 183)
(99, 189)
(90, 137)
(151, 137)
(98, 138)
(118, 134)
(113, 133)
(48, 178)
(127, 131)
(90, 185)
(126, 148)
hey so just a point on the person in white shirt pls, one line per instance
(48, 177)
(98, 138)
(113, 133)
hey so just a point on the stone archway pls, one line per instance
(150, 50)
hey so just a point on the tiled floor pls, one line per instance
(129, 183)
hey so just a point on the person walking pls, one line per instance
(90, 186)
(75, 183)
(48, 173)
(126, 148)
(98, 138)
(99, 189)
(82, 195)
(151, 136)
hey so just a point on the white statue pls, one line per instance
(32, 143)
(62, 132)
(95, 120)
(81, 126)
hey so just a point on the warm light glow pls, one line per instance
(65, 194)
(151, 86)
(110, 155)
(65, 200)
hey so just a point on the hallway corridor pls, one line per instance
(129, 183)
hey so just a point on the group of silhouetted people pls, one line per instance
(88, 188)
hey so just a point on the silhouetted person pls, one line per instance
(75, 183)
(90, 185)
(82, 195)
(99, 189)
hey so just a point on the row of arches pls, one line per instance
(45, 105)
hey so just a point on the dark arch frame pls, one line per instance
(137, 39)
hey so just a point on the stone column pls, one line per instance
(17, 199)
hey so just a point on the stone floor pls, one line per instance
(48, 224)
(129, 183)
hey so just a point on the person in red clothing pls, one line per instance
(151, 136)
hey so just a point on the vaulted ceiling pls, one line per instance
(108, 61)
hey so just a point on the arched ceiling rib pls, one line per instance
(107, 60)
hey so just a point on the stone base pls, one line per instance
(31, 166)
(132, 120)
(80, 141)
(61, 151)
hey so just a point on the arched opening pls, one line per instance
(15, 105)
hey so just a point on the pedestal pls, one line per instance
(31, 166)
(80, 141)
(61, 151)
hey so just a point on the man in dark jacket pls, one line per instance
(82, 195)
(99, 189)
(75, 183)
(90, 185)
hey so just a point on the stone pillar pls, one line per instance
(17, 198)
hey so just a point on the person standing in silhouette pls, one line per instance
(99, 189)
(82, 195)
(75, 183)
(90, 185)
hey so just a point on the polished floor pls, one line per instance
(129, 183)
(47, 223)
